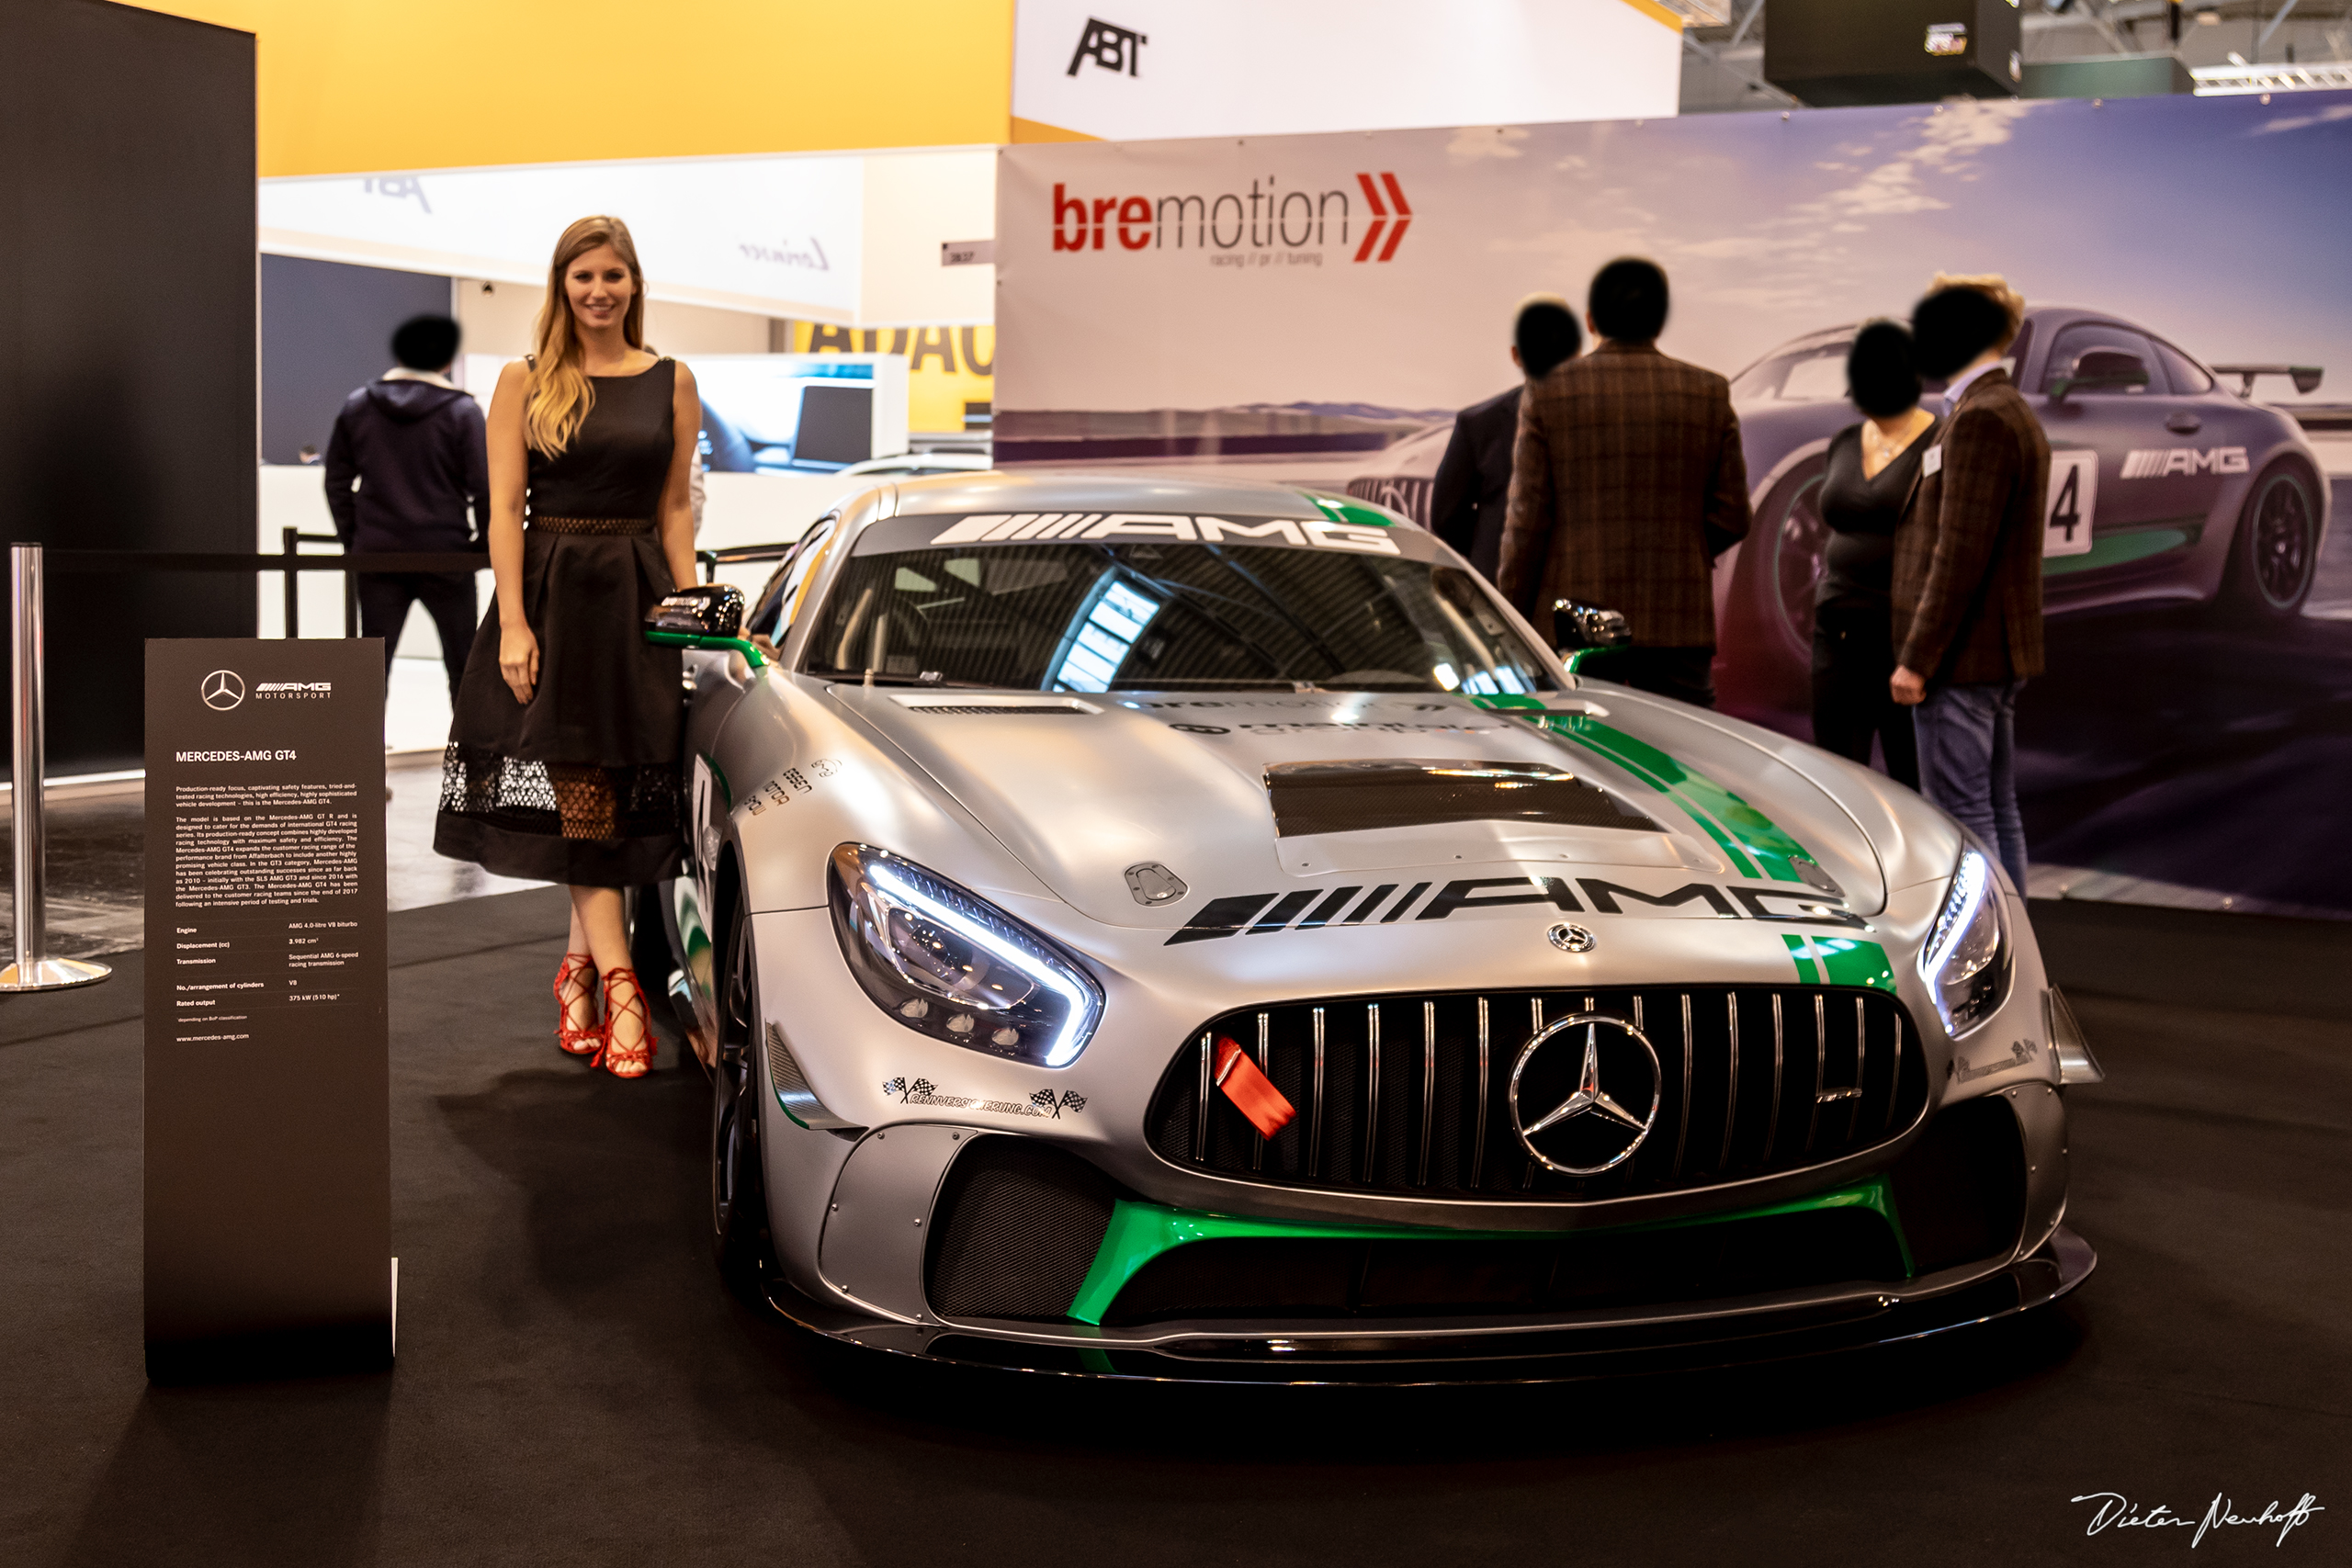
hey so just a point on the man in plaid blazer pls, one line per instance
(1627, 482)
(1968, 564)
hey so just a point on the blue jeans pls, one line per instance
(1968, 763)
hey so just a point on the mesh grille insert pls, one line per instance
(1017, 1226)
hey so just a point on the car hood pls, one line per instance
(1237, 792)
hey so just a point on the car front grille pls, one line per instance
(1409, 1095)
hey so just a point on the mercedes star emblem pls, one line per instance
(223, 689)
(1572, 939)
(1588, 1126)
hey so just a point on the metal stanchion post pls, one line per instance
(31, 971)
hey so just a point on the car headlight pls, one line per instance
(946, 963)
(1966, 959)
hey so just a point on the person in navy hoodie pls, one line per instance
(407, 469)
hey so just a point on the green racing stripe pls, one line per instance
(1756, 846)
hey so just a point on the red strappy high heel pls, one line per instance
(576, 1039)
(626, 1061)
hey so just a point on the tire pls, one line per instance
(738, 1240)
(2275, 556)
(1768, 644)
(649, 940)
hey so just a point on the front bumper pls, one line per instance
(1678, 1339)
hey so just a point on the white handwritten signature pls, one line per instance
(2115, 1508)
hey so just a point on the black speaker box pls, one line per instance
(1893, 52)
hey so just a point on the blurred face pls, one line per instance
(599, 285)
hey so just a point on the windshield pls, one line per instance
(1812, 374)
(1122, 615)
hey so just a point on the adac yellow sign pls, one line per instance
(950, 371)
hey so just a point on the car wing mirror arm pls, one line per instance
(1583, 629)
(707, 615)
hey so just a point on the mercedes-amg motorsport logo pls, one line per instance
(222, 690)
(1584, 1093)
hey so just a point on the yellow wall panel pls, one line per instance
(347, 86)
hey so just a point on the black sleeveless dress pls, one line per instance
(580, 785)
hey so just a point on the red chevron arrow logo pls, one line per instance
(1380, 216)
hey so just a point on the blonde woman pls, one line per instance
(563, 758)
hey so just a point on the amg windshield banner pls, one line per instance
(1316, 309)
(268, 1127)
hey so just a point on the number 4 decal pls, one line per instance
(2073, 500)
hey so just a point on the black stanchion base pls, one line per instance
(336, 1350)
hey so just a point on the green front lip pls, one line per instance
(1140, 1232)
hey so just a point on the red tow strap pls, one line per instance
(1251, 1093)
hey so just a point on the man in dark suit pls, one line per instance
(1473, 488)
(407, 457)
(1626, 483)
(1968, 564)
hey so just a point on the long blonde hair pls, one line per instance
(557, 394)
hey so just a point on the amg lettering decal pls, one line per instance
(1306, 533)
(1812, 908)
(2156, 464)
(1605, 897)
(1316, 909)
(1455, 895)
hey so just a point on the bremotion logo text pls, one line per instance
(1267, 218)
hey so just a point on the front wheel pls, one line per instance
(738, 1189)
(2276, 554)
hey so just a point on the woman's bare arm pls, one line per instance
(518, 651)
(677, 495)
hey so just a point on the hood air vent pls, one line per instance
(1357, 798)
(978, 706)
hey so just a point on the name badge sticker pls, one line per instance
(1933, 463)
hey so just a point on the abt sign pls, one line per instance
(1264, 218)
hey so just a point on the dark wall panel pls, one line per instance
(325, 329)
(127, 336)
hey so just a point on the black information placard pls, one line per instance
(268, 1100)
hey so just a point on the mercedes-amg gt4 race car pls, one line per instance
(1149, 928)
(2166, 482)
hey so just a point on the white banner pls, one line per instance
(848, 238)
(1122, 70)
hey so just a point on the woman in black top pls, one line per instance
(563, 757)
(1873, 469)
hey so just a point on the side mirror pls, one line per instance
(708, 615)
(710, 609)
(1587, 628)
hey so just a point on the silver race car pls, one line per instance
(1150, 927)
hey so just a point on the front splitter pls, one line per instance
(1401, 1358)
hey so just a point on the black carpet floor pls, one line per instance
(574, 1386)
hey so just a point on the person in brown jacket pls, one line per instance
(1968, 564)
(1627, 482)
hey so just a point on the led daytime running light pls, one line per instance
(1960, 905)
(1073, 1037)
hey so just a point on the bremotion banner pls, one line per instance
(1315, 308)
